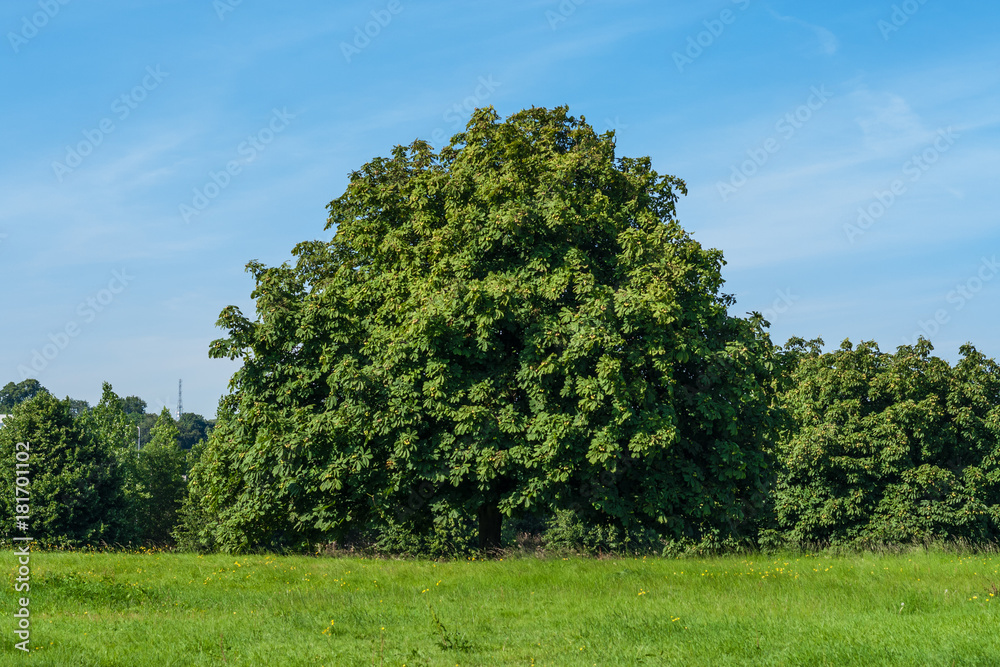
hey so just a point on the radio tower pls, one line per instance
(180, 404)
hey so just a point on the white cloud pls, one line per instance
(888, 122)
(828, 42)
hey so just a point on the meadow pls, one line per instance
(159, 609)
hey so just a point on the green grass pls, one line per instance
(155, 610)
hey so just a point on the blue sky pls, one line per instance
(840, 155)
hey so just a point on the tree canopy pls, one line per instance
(191, 428)
(75, 485)
(889, 447)
(133, 405)
(161, 466)
(12, 394)
(515, 324)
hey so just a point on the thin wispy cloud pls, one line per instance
(827, 41)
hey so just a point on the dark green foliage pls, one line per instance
(152, 478)
(145, 423)
(191, 529)
(75, 483)
(191, 428)
(197, 521)
(889, 447)
(193, 455)
(107, 424)
(449, 534)
(161, 465)
(12, 394)
(568, 531)
(133, 405)
(514, 325)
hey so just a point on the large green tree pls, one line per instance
(74, 481)
(889, 447)
(515, 324)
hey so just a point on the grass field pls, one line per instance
(164, 609)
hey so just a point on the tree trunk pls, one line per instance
(490, 522)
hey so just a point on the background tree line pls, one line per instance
(93, 478)
(870, 447)
(191, 427)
